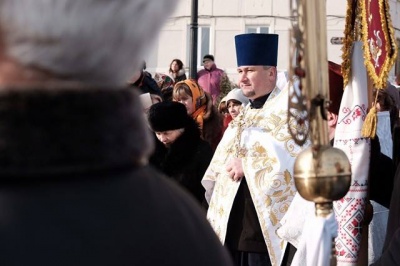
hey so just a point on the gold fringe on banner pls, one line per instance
(357, 28)
(379, 79)
(347, 43)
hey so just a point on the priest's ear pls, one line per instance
(332, 119)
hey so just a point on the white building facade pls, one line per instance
(220, 20)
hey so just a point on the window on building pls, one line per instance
(257, 29)
(203, 44)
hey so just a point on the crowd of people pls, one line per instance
(236, 210)
(93, 174)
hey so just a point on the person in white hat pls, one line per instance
(235, 102)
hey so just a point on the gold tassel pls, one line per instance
(370, 123)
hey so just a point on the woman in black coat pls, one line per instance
(180, 152)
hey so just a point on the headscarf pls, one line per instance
(198, 100)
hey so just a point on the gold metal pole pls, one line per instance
(322, 173)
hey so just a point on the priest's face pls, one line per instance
(256, 81)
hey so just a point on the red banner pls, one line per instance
(378, 39)
(370, 21)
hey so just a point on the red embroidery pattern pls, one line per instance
(351, 115)
(349, 211)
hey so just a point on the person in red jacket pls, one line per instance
(210, 77)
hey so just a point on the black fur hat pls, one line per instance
(166, 116)
(208, 56)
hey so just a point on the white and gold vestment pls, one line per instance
(261, 138)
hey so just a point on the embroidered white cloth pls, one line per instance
(349, 210)
(315, 247)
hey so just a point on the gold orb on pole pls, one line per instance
(322, 174)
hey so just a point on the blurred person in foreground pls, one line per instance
(390, 253)
(75, 186)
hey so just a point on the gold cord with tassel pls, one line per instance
(371, 121)
(369, 126)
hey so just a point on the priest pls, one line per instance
(249, 183)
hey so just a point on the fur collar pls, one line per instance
(180, 73)
(51, 130)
